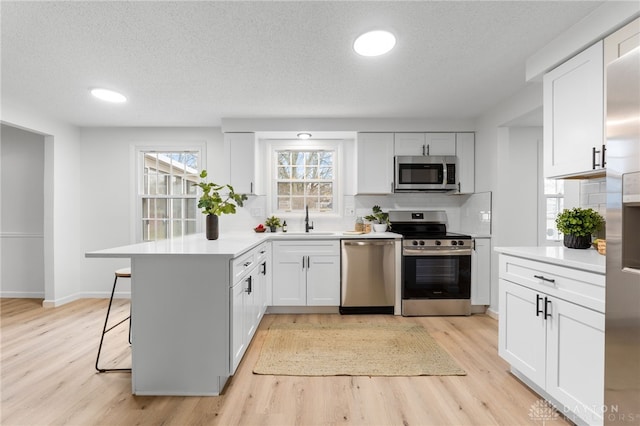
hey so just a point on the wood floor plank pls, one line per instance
(47, 377)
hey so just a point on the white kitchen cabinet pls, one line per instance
(306, 273)
(245, 168)
(554, 344)
(248, 299)
(409, 144)
(440, 143)
(425, 144)
(374, 163)
(621, 42)
(574, 116)
(466, 168)
(481, 272)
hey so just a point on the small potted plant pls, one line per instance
(578, 225)
(380, 219)
(213, 204)
(273, 223)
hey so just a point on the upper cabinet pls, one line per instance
(574, 116)
(621, 42)
(466, 170)
(425, 144)
(374, 163)
(245, 170)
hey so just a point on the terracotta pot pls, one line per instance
(577, 242)
(212, 227)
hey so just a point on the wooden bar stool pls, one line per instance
(120, 273)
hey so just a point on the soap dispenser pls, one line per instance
(284, 226)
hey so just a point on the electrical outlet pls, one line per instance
(349, 211)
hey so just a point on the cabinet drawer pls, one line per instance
(576, 286)
(242, 265)
(324, 247)
(262, 251)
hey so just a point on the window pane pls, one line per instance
(312, 189)
(326, 189)
(191, 227)
(326, 203)
(284, 158)
(177, 184)
(298, 173)
(326, 158)
(312, 173)
(176, 228)
(284, 172)
(284, 188)
(297, 188)
(191, 208)
(325, 173)
(176, 208)
(297, 203)
(311, 158)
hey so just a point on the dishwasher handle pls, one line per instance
(367, 243)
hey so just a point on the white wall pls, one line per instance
(108, 210)
(62, 199)
(492, 154)
(22, 213)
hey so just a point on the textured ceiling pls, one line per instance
(192, 63)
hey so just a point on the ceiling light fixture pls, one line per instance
(304, 136)
(374, 43)
(108, 95)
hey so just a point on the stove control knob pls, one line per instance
(415, 243)
(438, 242)
(454, 243)
(460, 243)
(421, 243)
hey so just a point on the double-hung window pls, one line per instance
(305, 176)
(167, 198)
(553, 203)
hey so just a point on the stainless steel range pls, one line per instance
(436, 264)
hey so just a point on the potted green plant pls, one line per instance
(213, 204)
(578, 225)
(273, 223)
(379, 218)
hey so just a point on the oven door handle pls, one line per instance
(439, 252)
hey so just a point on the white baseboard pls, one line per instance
(492, 314)
(22, 294)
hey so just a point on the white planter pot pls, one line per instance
(380, 227)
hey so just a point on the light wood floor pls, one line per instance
(48, 377)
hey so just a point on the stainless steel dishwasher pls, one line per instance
(368, 276)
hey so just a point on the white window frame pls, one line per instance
(543, 241)
(274, 145)
(138, 172)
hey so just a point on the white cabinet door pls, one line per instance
(289, 278)
(574, 115)
(481, 272)
(409, 144)
(374, 163)
(575, 358)
(238, 345)
(521, 331)
(243, 167)
(466, 171)
(250, 318)
(440, 143)
(323, 281)
(306, 273)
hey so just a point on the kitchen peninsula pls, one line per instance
(196, 303)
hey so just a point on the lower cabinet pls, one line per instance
(553, 345)
(306, 273)
(481, 272)
(248, 299)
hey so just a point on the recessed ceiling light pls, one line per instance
(304, 136)
(108, 95)
(374, 43)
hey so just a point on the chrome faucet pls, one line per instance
(307, 227)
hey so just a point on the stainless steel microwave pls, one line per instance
(425, 173)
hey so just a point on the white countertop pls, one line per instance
(231, 244)
(588, 259)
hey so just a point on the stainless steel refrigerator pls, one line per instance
(622, 319)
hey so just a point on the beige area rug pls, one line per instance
(302, 349)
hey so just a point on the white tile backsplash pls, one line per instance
(593, 194)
